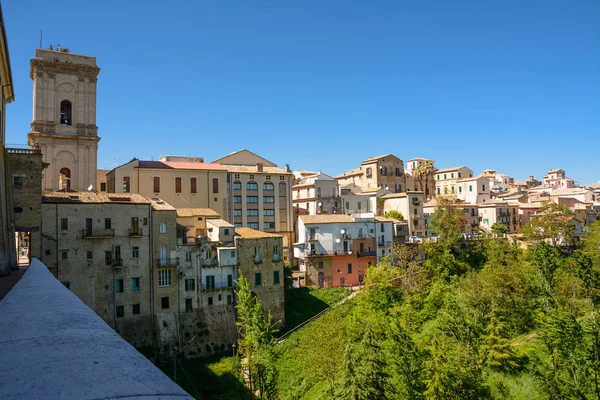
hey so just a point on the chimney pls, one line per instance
(531, 177)
(287, 168)
(259, 167)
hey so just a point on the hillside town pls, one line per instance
(155, 247)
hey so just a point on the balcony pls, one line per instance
(98, 233)
(117, 262)
(166, 262)
(276, 258)
(312, 238)
(62, 348)
(217, 286)
(327, 253)
(372, 253)
(210, 262)
(258, 260)
(135, 232)
(386, 243)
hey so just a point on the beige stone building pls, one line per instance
(183, 182)
(411, 206)
(499, 212)
(64, 118)
(260, 196)
(446, 180)
(261, 262)
(473, 190)
(386, 171)
(8, 258)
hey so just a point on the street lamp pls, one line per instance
(233, 346)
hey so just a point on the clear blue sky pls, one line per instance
(510, 85)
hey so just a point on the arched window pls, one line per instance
(268, 186)
(251, 185)
(65, 112)
(64, 181)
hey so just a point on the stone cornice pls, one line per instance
(39, 135)
(57, 67)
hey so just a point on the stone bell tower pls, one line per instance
(64, 118)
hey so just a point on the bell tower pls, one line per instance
(64, 118)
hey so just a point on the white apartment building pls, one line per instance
(446, 180)
(317, 194)
(473, 190)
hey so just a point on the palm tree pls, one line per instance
(422, 174)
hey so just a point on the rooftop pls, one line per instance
(190, 165)
(252, 169)
(95, 198)
(372, 159)
(248, 233)
(352, 172)
(197, 212)
(449, 169)
(220, 223)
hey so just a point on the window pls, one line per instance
(189, 285)
(470, 188)
(229, 280)
(459, 174)
(229, 299)
(164, 302)
(89, 255)
(108, 257)
(188, 305)
(268, 177)
(210, 300)
(237, 212)
(103, 186)
(135, 252)
(118, 285)
(18, 180)
(252, 213)
(359, 205)
(164, 277)
(350, 268)
(135, 309)
(145, 221)
(188, 256)
(219, 297)
(347, 205)
(156, 184)
(251, 186)
(268, 185)
(269, 225)
(444, 176)
(257, 279)
(281, 178)
(275, 277)
(64, 224)
(369, 171)
(253, 225)
(398, 188)
(107, 223)
(237, 199)
(438, 191)
(193, 185)
(460, 189)
(452, 175)
(135, 284)
(237, 224)
(163, 227)
(269, 213)
(237, 185)
(65, 112)
(215, 185)
(126, 184)
(252, 199)
(268, 199)
(226, 231)
(236, 176)
(483, 188)
(64, 254)
(177, 185)
(120, 311)
(318, 192)
(320, 265)
(210, 282)
(398, 173)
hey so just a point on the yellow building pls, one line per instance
(446, 180)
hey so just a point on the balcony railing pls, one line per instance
(117, 262)
(135, 232)
(23, 151)
(210, 262)
(217, 286)
(98, 233)
(385, 243)
(324, 253)
(258, 259)
(167, 262)
(40, 307)
(276, 257)
(371, 253)
(227, 262)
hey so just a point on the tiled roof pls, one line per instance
(394, 195)
(326, 219)
(93, 197)
(449, 169)
(559, 192)
(197, 212)
(352, 172)
(248, 233)
(179, 165)
(419, 159)
(371, 159)
(385, 219)
(159, 204)
(253, 169)
(533, 204)
(595, 186)
(472, 178)
(221, 223)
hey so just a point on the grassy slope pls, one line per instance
(304, 303)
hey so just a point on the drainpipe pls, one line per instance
(151, 271)
(57, 238)
(114, 296)
(178, 309)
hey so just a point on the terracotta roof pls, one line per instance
(554, 171)
(326, 219)
(419, 159)
(535, 204)
(472, 178)
(197, 212)
(394, 195)
(385, 219)
(371, 159)
(352, 172)
(221, 223)
(559, 192)
(449, 169)
(248, 233)
(179, 165)
(595, 186)
(93, 197)
(159, 204)
(253, 169)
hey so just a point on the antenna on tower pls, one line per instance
(41, 39)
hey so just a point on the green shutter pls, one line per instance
(229, 280)
(275, 277)
(257, 279)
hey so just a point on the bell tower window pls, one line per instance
(65, 112)
(65, 179)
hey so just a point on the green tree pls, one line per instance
(405, 362)
(552, 222)
(395, 214)
(448, 222)
(499, 229)
(546, 259)
(373, 378)
(256, 342)
(350, 388)
(500, 354)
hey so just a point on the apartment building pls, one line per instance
(8, 257)
(102, 248)
(386, 171)
(260, 196)
(317, 194)
(446, 180)
(473, 190)
(411, 206)
(499, 183)
(183, 182)
(501, 212)
(557, 179)
(335, 250)
(261, 262)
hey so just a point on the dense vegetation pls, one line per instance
(303, 303)
(488, 320)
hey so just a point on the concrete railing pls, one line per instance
(53, 346)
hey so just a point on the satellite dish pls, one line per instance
(337, 240)
(90, 188)
(342, 231)
(320, 204)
